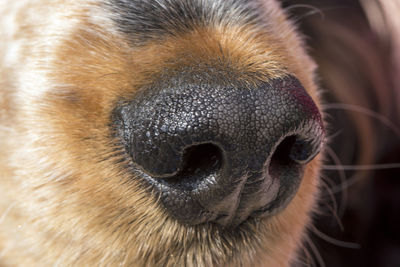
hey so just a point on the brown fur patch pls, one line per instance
(68, 196)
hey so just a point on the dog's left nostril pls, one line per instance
(292, 152)
(283, 151)
(295, 149)
(303, 151)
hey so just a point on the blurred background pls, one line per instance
(357, 47)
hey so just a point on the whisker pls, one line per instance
(369, 167)
(338, 220)
(6, 212)
(334, 208)
(315, 251)
(349, 182)
(373, 114)
(342, 176)
(313, 10)
(308, 259)
(334, 135)
(334, 241)
(330, 194)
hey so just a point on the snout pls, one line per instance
(221, 153)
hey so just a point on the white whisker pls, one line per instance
(334, 208)
(342, 176)
(368, 167)
(6, 212)
(380, 117)
(316, 253)
(334, 241)
(313, 10)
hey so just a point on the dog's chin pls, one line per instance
(232, 246)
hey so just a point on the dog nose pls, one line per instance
(222, 153)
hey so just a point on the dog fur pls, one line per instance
(66, 197)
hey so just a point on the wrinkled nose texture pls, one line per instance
(222, 153)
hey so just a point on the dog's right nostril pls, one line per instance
(199, 162)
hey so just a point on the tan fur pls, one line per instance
(65, 200)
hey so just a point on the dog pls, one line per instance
(156, 133)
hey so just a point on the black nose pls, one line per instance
(222, 153)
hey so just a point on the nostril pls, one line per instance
(286, 167)
(205, 159)
(283, 151)
(199, 162)
(281, 157)
(292, 150)
(303, 150)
